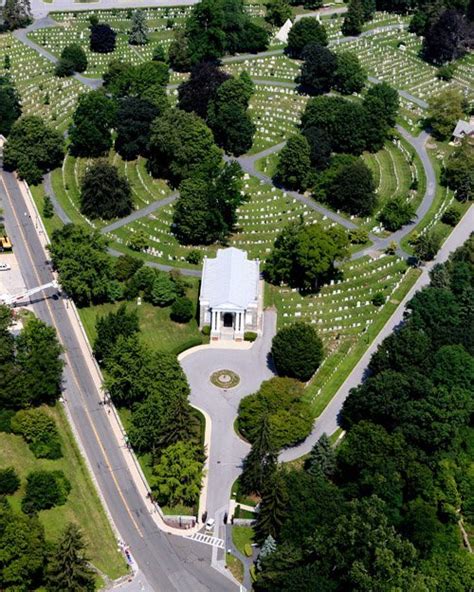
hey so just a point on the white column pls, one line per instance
(218, 321)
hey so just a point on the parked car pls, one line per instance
(210, 525)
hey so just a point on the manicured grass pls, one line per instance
(51, 224)
(241, 536)
(334, 437)
(157, 330)
(83, 505)
(235, 566)
(328, 390)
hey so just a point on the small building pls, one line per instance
(230, 301)
(463, 129)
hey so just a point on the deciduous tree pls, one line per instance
(90, 132)
(302, 33)
(10, 107)
(294, 163)
(104, 193)
(297, 351)
(102, 38)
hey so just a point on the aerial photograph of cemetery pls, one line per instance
(237, 295)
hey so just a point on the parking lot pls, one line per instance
(11, 281)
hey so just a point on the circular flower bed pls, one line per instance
(225, 379)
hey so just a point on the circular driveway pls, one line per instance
(227, 449)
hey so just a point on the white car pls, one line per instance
(210, 525)
(4, 267)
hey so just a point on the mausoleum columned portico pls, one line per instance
(230, 300)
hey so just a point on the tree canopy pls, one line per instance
(297, 351)
(10, 107)
(102, 38)
(303, 256)
(33, 149)
(90, 131)
(304, 32)
(104, 192)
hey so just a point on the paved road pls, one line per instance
(41, 9)
(168, 563)
(227, 450)
(327, 422)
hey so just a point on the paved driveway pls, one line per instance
(227, 450)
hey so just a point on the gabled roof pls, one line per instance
(230, 280)
(463, 128)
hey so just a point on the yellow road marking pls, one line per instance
(73, 372)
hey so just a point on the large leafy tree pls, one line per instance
(178, 474)
(102, 38)
(16, 14)
(110, 326)
(353, 189)
(304, 256)
(444, 111)
(138, 30)
(317, 72)
(38, 357)
(134, 119)
(459, 171)
(206, 210)
(90, 132)
(278, 12)
(294, 163)
(68, 568)
(85, 268)
(297, 351)
(396, 213)
(354, 18)
(228, 115)
(278, 401)
(182, 146)
(104, 193)
(449, 38)
(10, 107)
(200, 89)
(302, 33)
(33, 148)
(73, 59)
(204, 31)
(349, 76)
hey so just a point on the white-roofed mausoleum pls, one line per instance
(230, 301)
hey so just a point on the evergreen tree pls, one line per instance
(139, 31)
(322, 459)
(259, 460)
(105, 193)
(10, 108)
(354, 18)
(68, 569)
(178, 423)
(272, 511)
(269, 546)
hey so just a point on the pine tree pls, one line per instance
(68, 569)
(178, 424)
(272, 512)
(139, 30)
(322, 459)
(259, 462)
(268, 547)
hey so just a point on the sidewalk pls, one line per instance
(113, 418)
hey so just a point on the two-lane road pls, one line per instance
(168, 563)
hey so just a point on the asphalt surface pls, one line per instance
(167, 563)
(227, 450)
(41, 9)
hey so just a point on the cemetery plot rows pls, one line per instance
(343, 310)
(392, 56)
(259, 222)
(145, 189)
(276, 111)
(42, 93)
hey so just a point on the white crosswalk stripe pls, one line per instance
(207, 540)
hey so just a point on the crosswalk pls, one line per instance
(207, 540)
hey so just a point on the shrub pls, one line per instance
(237, 511)
(182, 310)
(194, 257)
(358, 236)
(250, 336)
(451, 216)
(6, 416)
(48, 209)
(396, 213)
(248, 550)
(297, 351)
(378, 299)
(9, 481)
(206, 330)
(44, 490)
(39, 432)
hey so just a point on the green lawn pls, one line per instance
(83, 505)
(157, 330)
(241, 536)
(51, 224)
(235, 566)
